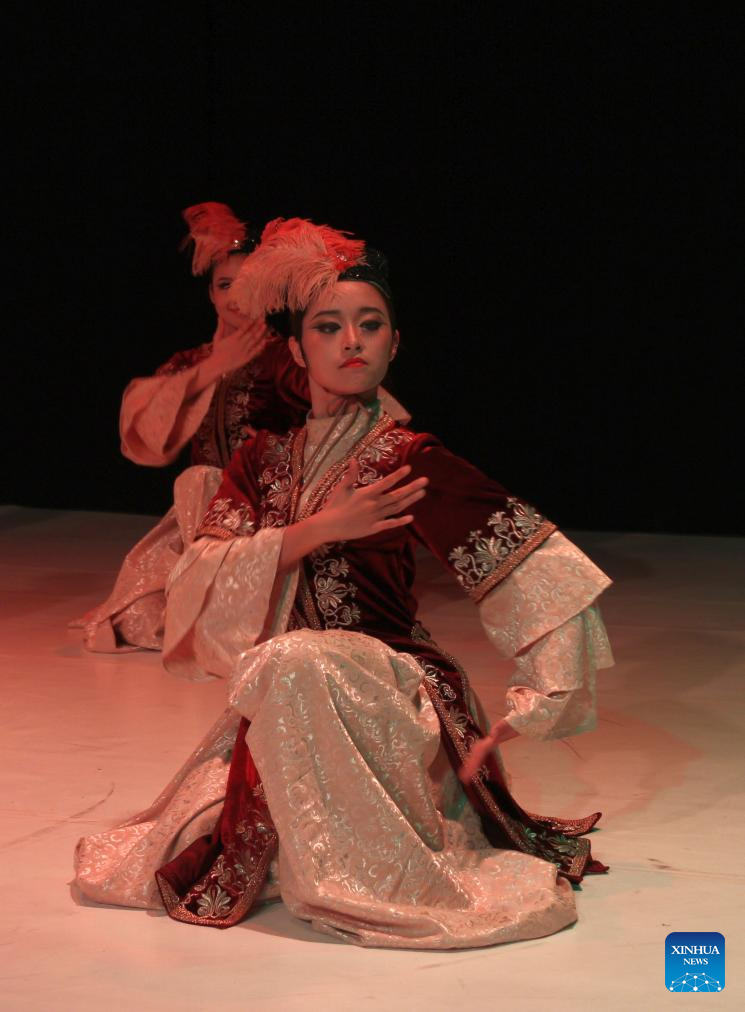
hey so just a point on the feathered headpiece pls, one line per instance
(216, 233)
(294, 263)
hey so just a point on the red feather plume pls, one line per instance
(294, 263)
(214, 230)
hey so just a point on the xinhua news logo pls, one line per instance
(694, 961)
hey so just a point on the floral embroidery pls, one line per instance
(511, 528)
(332, 593)
(433, 676)
(215, 902)
(238, 405)
(460, 724)
(227, 424)
(225, 518)
(383, 454)
(275, 480)
(558, 849)
(459, 721)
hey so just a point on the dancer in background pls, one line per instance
(333, 778)
(219, 393)
(213, 396)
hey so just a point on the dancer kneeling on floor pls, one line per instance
(332, 780)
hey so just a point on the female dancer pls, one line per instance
(348, 724)
(213, 396)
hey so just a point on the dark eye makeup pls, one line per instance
(371, 325)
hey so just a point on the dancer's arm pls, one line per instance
(535, 591)
(161, 413)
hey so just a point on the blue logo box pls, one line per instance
(694, 961)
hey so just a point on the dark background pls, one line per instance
(556, 187)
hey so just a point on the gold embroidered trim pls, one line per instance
(213, 531)
(335, 472)
(236, 520)
(175, 910)
(309, 613)
(276, 477)
(296, 468)
(514, 559)
(569, 827)
(420, 635)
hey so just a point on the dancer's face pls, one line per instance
(347, 341)
(223, 275)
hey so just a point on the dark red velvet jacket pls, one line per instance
(271, 392)
(471, 524)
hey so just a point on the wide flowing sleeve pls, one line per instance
(158, 415)
(223, 596)
(535, 590)
(544, 616)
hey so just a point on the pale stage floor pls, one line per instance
(87, 740)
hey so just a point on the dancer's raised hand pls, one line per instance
(240, 347)
(351, 513)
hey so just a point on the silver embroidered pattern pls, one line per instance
(275, 481)
(476, 560)
(238, 406)
(238, 520)
(333, 595)
(214, 903)
(383, 451)
(433, 676)
(459, 721)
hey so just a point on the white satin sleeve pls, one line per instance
(544, 617)
(158, 418)
(223, 597)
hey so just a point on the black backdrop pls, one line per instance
(555, 185)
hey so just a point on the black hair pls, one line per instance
(242, 248)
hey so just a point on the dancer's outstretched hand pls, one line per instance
(501, 731)
(352, 513)
(242, 346)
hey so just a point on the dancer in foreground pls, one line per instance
(332, 780)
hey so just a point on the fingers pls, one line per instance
(475, 759)
(351, 474)
(402, 498)
(389, 508)
(405, 490)
(254, 342)
(253, 335)
(393, 479)
(388, 525)
(468, 770)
